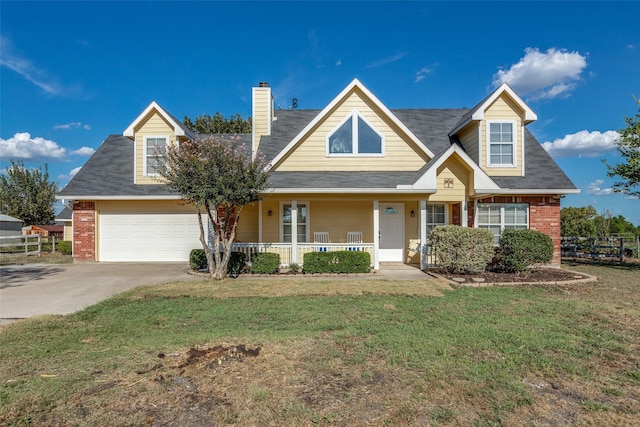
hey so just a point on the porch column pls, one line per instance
(464, 220)
(376, 235)
(294, 231)
(259, 221)
(422, 230)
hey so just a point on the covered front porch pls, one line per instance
(391, 230)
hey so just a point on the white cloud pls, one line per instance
(72, 125)
(596, 189)
(25, 68)
(23, 146)
(71, 174)
(74, 171)
(385, 61)
(420, 75)
(543, 75)
(582, 144)
(83, 151)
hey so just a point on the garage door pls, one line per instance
(148, 237)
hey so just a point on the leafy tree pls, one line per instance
(218, 124)
(578, 222)
(27, 194)
(218, 176)
(620, 225)
(629, 147)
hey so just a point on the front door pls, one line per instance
(392, 232)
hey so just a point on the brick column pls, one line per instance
(455, 214)
(84, 231)
(544, 216)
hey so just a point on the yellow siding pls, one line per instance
(311, 153)
(460, 176)
(271, 224)
(68, 231)
(503, 108)
(339, 217)
(469, 139)
(247, 230)
(154, 125)
(261, 113)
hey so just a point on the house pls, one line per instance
(64, 218)
(354, 175)
(10, 226)
(56, 231)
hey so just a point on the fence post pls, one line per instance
(53, 244)
(39, 245)
(621, 249)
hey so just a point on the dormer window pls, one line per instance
(501, 144)
(354, 136)
(154, 150)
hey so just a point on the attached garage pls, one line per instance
(127, 237)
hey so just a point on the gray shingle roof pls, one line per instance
(109, 172)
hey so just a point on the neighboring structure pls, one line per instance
(56, 231)
(65, 219)
(354, 168)
(10, 226)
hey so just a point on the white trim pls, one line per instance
(355, 83)
(480, 177)
(485, 191)
(144, 152)
(259, 221)
(332, 190)
(422, 230)
(514, 143)
(295, 203)
(480, 142)
(502, 215)
(376, 235)
(120, 197)
(177, 127)
(464, 220)
(522, 142)
(354, 115)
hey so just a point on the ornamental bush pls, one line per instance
(520, 249)
(462, 249)
(337, 262)
(265, 263)
(198, 262)
(64, 247)
(197, 259)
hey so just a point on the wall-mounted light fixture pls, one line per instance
(413, 213)
(270, 212)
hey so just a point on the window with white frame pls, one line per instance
(435, 216)
(354, 136)
(154, 150)
(287, 222)
(501, 143)
(496, 217)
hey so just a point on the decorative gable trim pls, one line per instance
(326, 111)
(178, 127)
(482, 182)
(477, 112)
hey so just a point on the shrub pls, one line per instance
(64, 247)
(462, 249)
(197, 259)
(265, 263)
(337, 262)
(521, 248)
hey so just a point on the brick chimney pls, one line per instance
(261, 114)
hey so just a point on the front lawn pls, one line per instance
(344, 352)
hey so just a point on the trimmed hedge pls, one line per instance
(462, 249)
(198, 261)
(64, 247)
(265, 263)
(337, 262)
(521, 248)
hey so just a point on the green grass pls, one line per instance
(477, 344)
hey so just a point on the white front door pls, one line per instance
(391, 232)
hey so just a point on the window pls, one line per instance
(354, 136)
(154, 148)
(287, 225)
(501, 144)
(495, 217)
(435, 217)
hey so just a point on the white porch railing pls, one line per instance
(286, 250)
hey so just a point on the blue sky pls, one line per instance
(72, 73)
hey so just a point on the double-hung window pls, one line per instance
(496, 217)
(501, 144)
(155, 148)
(287, 222)
(435, 216)
(354, 136)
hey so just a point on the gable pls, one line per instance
(401, 150)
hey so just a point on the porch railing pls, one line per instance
(285, 250)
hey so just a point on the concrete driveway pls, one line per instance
(33, 289)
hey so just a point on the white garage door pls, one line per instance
(148, 237)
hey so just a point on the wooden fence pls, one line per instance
(595, 248)
(20, 244)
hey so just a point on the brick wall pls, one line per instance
(544, 216)
(455, 214)
(84, 231)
